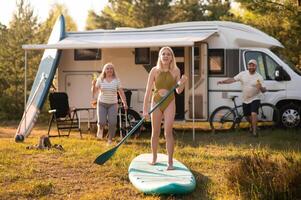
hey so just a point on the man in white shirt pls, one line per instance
(252, 87)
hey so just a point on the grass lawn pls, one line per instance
(71, 174)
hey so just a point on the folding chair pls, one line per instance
(64, 117)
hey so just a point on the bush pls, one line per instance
(260, 177)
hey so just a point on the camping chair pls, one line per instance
(65, 118)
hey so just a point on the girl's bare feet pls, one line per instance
(109, 142)
(170, 167)
(152, 163)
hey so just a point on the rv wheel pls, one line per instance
(290, 116)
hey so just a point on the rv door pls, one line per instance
(200, 75)
(78, 88)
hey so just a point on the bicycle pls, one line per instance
(227, 118)
(127, 119)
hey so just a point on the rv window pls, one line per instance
(142, 56)
(154, 58)
(266, 65)
(87, 54)
(258, 56)
(196, 61)
(216, 61)
(178, 51)
(271, 67)
(153, 61)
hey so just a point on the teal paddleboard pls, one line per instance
(156, 179)
(42, 82)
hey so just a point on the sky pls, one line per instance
(77, 9)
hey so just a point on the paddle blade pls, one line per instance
(101, 159)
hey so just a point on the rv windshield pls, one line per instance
(291, 65)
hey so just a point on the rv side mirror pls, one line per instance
(281, 74)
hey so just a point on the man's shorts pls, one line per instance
(248, 108)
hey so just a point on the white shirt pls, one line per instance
(248, 83)
(108, 90)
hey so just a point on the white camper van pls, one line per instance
(205, 51)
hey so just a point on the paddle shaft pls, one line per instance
(149, 112)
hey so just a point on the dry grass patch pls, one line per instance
(263, 176)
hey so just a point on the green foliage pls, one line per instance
(21, 31)
(54, 13)
(280, 19)
(259, 176)
(131, 13)
(195, 10)
(134, 13)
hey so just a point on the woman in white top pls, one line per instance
(108, 85)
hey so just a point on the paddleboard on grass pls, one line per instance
(42, 82)
(156, 179)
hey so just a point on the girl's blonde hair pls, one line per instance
(103, 73)
(172, 64)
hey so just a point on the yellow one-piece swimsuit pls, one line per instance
(166, 81)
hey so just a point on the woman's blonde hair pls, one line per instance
(104, 74)
(172, 64)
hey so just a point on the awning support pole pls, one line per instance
(25, 87)
(193, 109)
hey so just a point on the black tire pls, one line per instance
(268, 115)
(222, 118)
(290, 116)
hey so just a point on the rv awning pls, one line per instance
(127, 39)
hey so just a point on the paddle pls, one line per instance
(101, 159)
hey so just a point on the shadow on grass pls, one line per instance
(279, 139)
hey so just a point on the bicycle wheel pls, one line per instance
(268, 115)
(132, 119)
(222, 118)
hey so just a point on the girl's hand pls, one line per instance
(183, 80)
(93, 82)
(145, 115)
(125, 106)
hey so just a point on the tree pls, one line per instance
(195, 10)
(137, 13)
(130, 13)
(22, 30)
(54, 13)
(281, 19)
(3, 82)
(104, 20)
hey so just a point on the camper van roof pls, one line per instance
(177, 34)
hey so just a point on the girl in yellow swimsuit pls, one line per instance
(162, 78)
(166, 81)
